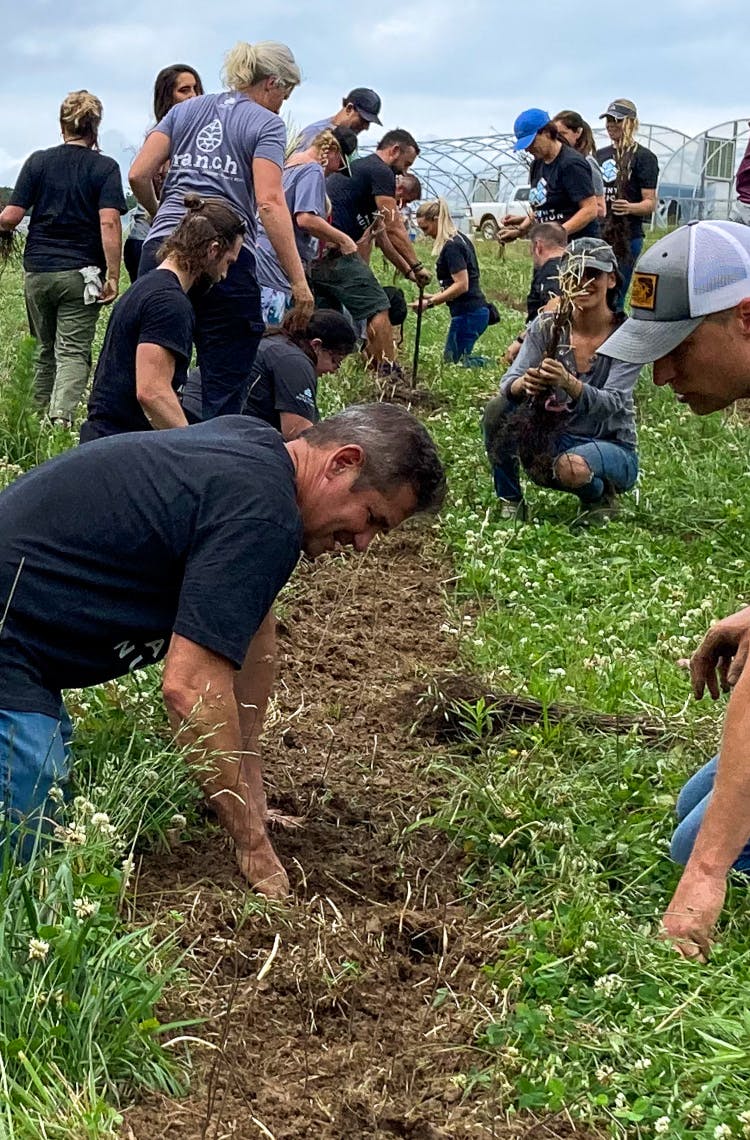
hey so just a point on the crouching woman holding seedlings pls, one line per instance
(564, 412)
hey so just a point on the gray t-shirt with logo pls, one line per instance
(305, 192)
(213, 141)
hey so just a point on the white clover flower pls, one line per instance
(603, 1073)
(82, 806)
(642, 1064)
(621, 1101)
(178, 820)
(608, 983)
(722, 1132)
(85, 908)
(75, 835)
(496, 839)
(56, 794)
(38, 949)
(661, 1125)
(589, 945)
(100, 820)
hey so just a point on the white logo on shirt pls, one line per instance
(609, 170)
(210, 137)
(538, 194)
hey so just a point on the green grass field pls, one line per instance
(565, 830)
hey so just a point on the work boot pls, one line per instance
(515, 509)
(600, 512)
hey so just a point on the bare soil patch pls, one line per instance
(363, 1024)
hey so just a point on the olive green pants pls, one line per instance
(64, 330)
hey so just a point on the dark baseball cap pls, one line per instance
(620, 109)
(698, 269)
(366, 102)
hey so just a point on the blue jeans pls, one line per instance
(607, 460)
(228, 328)
(626, 270)
(691, 807)
(464, 332)
(34, 755)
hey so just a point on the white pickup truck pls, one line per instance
(486, 217)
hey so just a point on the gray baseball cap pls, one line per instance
(698, 269)
(591, 253)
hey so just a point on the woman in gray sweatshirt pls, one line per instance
(567, 416)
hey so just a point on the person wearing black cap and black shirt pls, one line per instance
(631, 175)
(359, 109)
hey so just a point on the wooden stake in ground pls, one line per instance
(417, 338)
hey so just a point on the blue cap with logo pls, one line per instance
(528, 125)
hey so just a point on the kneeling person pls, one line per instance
(149, 339)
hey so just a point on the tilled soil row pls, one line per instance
(352, 1012)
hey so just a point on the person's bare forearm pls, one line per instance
(162, 409)
(399, 239)
(112, 246)
(726, 825)
(580, 219)
(277, 223)
(323, 230)
(144, 194)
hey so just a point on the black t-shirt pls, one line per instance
(353, 196)
(544, 284)
(65, 187)
(458, 254)
(644, 175)
(559, 187)
(283, 379)
(110, 548)
(154, 310)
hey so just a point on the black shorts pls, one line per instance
(347, 281)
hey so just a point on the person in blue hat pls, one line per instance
(562, 187)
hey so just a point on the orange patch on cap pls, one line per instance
(643, 294)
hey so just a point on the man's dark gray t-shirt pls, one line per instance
(353, 196)
(111, 548)
(283, 379)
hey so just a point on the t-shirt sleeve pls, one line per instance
(310, 191)
(167, 320)
(271, 141)
(382, 181)
(27, 184)
(294, 387)
(165, 126)
(648, 169)
(235, 569)
(111, 195)
(596, 176)
(576, 177)
(454, 257)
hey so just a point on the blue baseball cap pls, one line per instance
(527, 126)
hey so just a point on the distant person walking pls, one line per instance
(631, 175)
(72, 255)
(173, 84)
(741, 208)
(229, 146)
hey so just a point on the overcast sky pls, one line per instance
(442, 69)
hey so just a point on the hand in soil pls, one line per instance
(263, 870)
(690, 918)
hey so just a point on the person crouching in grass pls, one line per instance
(564, 411)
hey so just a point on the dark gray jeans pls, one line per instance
(64, 330)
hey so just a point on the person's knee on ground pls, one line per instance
(572, 471)
(380, 343)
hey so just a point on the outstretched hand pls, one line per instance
(689, 919)
(718, 661)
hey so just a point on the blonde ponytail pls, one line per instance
(80, 116)
(439, 211)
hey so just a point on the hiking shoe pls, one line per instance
(600, 512)
(513, 509)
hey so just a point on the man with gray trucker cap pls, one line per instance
(691, 316)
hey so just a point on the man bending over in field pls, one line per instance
(174, 544)
(691, 314)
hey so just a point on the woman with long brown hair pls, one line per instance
(72, 254)
(173, 84)
(576, 132)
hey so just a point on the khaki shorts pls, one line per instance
(347, 282)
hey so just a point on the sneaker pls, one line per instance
(599, 513)
(513, 509)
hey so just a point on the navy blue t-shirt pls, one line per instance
(353, 205)
(559, 187)
(283, 379)
(154, 310)
(110, 548)
(458, 254)
(65, 187)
